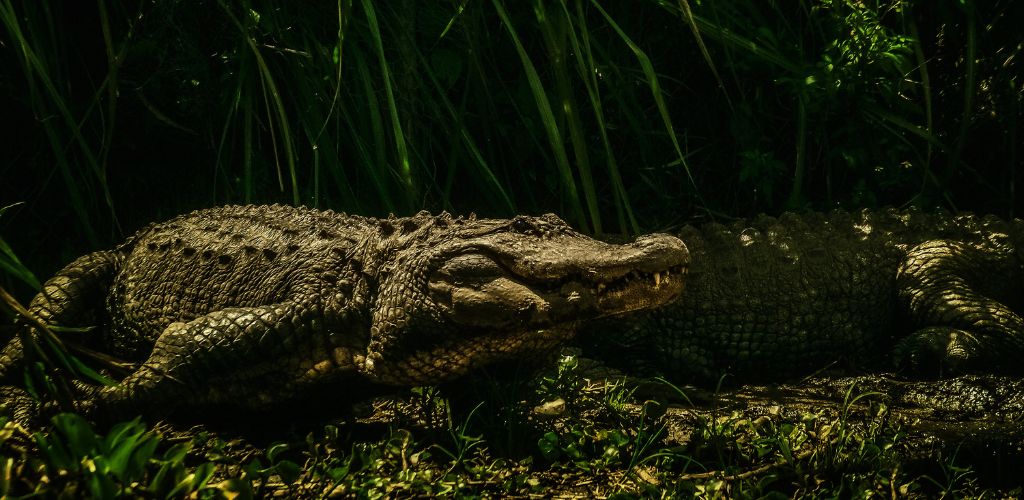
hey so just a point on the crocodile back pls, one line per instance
(771, 298)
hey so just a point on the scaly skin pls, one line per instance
(779, 298)
(259, 307)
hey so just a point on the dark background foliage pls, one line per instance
(623, 116)
(620, 116)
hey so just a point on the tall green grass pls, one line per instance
(620, 117)
(339, 106)
(37, 54)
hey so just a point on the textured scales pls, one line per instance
(256, 307)
(776, 298)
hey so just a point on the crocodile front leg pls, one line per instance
(955, 294)
(73, 297)
(247, 358)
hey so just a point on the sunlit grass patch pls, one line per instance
(604, 442)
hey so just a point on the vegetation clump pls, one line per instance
(604, 442)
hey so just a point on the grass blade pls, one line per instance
(684, 7)
(547, 118)
(588, 74)
(490, 178)
(271, 95)
(659, 100)
(405, 167)
(554, 33)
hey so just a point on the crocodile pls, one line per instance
(249, 308)
(767, 299)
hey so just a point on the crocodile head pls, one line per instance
(461, 293)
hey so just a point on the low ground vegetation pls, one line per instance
(565, 433)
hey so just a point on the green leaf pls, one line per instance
(10, 263)
(274, 450)
(170, 474)
(618, 438)
(548, 445)
(119, 433)
(202, 475)
(6, 475)
(119, 456)
(176, 453)
(77, 433)
(336, 474)
(84, 372)
(54, 453)
(288, 470)
(102, 486)
(254, 469)
(192, 482)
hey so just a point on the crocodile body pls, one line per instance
(257, 307)
(774, 298)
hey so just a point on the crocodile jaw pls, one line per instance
(506, 302)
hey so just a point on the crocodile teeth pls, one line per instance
(600, 287)
(657, 280)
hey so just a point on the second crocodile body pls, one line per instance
(775, 298)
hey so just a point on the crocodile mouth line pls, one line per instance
(598, 284)
(600, 287)
(653, 279)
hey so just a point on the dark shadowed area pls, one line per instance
(624, 119)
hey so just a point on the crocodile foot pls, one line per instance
(939, 350)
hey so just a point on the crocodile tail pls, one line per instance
(74, 297)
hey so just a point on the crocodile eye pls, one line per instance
(521, 225)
